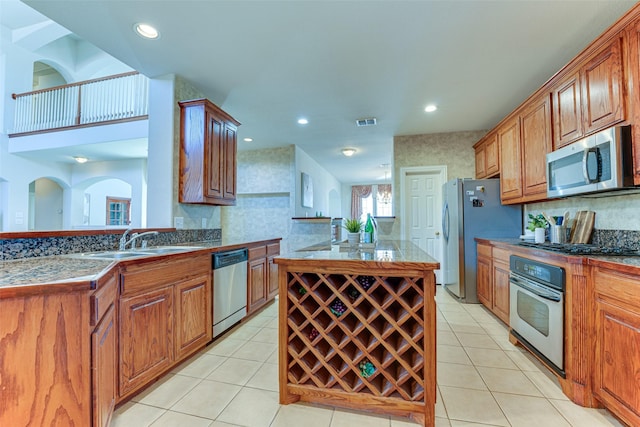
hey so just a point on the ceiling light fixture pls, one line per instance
(348, 151)
(80, 159)
(248, 140)
(303, 121)
(430, 108)
(146, 31)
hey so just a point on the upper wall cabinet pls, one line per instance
(524, 142)
(535, 126)
(208, 144)
(592, 98)
(510, 161)
(633, 65)
(487, 158)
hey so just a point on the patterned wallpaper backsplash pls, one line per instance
(47, 246)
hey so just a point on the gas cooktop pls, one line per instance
(581, 249)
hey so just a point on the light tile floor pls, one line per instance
(483, 380)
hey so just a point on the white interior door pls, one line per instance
(422, 209)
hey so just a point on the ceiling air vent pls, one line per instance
(366, 122)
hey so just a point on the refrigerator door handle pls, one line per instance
(445, 221)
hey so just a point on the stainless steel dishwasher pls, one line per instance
(229, 289)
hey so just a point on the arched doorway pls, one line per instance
(45, 76)
(45, 205)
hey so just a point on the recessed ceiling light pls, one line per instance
(430, 108)
(146, 31)
(80, 159)
(248, 140)
(348, 151)
(303, 121)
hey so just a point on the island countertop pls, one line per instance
(399, 252)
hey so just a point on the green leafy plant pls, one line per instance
(537, 221)
(353, 225)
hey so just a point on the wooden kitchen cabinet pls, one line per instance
(193, 315)
(146, 338)
(633, 33)
(257, 284)
(484, 277)
(617, 342)
(273, 249)
(208, 146)
(591, 98)
(567, 112)
(165, 313)
(501, 284)
(524, 142)
(487, 158)
(510, 161)
(58, 355)
(492, 280)
(104, 351)
(535, 122)
(262, 275)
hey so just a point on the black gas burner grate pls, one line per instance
(581, 249)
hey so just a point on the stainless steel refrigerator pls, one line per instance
(471, 208)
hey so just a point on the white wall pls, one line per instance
(98, 192)
(323, 184)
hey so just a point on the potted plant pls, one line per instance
(353, 227)
(538, 225)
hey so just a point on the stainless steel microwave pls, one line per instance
(600, 162)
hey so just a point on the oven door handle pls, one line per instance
(536, 289)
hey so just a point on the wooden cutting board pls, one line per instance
(583, 227)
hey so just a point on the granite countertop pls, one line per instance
(386, 251)
(74, 269)
(630, 264)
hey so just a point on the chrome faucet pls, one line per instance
(134, 237)
(123, 239)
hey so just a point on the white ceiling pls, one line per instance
(269, 62)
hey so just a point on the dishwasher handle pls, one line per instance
(227, 258)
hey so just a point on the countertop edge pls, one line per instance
(86, 282)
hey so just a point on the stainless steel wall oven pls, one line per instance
(536, 309)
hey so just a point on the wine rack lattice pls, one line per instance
(356, 333)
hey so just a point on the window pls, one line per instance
(372, 199)
(118, 211)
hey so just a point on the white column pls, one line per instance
(160, 190)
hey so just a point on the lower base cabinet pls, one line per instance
(146, 338)
(103, 368)
(262, 276)
(165, 315)
(617, 343)
(193, 315)
(492, 280)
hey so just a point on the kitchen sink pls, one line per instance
(168, 249)
(116, 255)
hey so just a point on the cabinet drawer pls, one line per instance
(273, 249)
(484, 250)
(622, 287)
(501, 255)
(154, 274)
(102, 299)
(257, 252)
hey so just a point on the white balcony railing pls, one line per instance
(112, 98)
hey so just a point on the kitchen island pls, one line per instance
(358, 327)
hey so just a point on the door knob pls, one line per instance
(437, 233)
